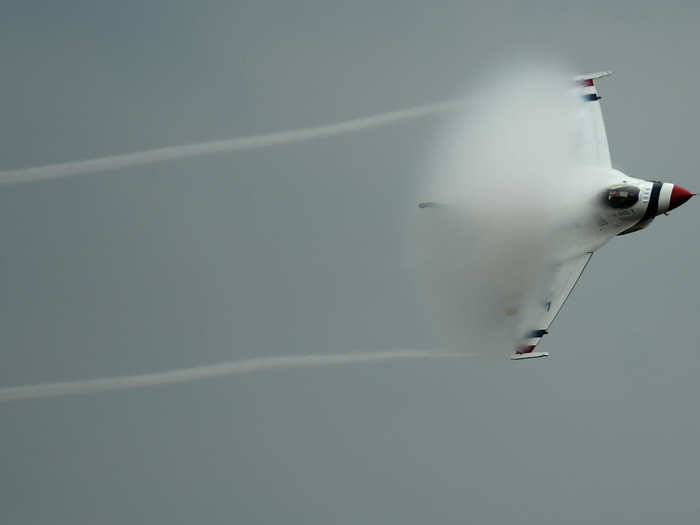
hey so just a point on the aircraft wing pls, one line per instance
(541, 315)
(593, 142)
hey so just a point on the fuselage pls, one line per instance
(621, 205)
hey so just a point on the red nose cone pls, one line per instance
(678, 196)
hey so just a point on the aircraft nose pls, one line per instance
(678, 196)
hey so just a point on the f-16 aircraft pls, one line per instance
(623, 205)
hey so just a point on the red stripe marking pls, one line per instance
(585, 82)
(525, 349)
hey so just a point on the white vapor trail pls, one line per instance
(186, 375)
(140, 158)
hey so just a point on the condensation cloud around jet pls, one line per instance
(502, 185)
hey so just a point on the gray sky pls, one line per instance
(297, 250)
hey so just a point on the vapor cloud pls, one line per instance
(187, 375)
(140, 158)
(504, 173)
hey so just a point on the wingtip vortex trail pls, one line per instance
(169, 153)
(187, 375)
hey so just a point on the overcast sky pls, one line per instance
(298, 249)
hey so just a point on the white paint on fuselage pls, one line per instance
(593, 224)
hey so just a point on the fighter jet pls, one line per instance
(623, 205)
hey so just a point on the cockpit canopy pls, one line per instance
(621, 196)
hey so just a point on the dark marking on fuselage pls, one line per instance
(652, 209)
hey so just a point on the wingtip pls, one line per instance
(594, 76)
(534, 355)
